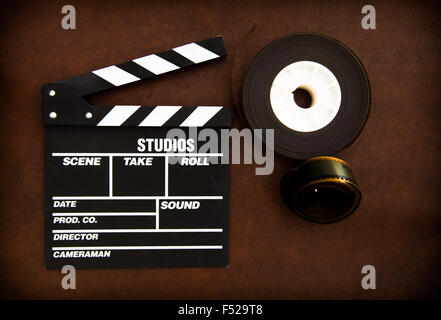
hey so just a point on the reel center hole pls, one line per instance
(302, 98)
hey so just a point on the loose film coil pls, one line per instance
(329, 72)
(321, 189)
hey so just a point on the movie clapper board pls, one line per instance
(113, 197)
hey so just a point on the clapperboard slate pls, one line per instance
(112, 197)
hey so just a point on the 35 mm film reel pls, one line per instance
(331, 74)
(322, 189)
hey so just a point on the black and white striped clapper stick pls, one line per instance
(169, 116)
(148, 66)
(57, 97)
(119, 191)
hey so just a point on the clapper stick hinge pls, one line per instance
(62, 106)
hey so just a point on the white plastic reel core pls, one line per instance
(320, 83)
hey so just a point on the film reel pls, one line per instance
(321, 189)
(333, 77)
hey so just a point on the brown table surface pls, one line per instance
(274, 254)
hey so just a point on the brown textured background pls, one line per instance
(274, 254)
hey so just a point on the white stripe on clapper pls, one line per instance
(115, 75)
(117, 115)
(159, 116)
(208, 247)
(195, 53)
(156, 64)
(200, 116)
